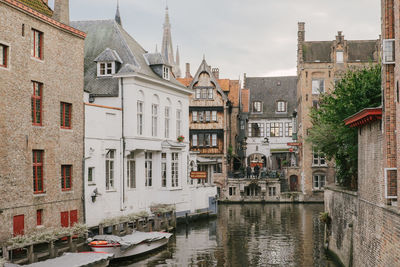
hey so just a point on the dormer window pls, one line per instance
(257, 106)
(105, 68)
(281, 106)
(108, 62)
(165, 72)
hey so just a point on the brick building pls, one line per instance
(319, 65)
(41, 117)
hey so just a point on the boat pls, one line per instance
(130, 245)
(82, 259)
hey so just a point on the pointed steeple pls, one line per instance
(117, 15)
(177, 64)
(167, 48)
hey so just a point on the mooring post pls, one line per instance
(5, 253)
(101, 229)
(52, 251)
(30, 255)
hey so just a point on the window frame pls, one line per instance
(34, 100)
(276, 129)
(318, 159)
(64, 177)
(214, 140)
(288, 129)
(148, 167)
(281, 106)
(214, 116)
(175, 169)
(317, 91)
(154, 120)
(39, 217)
(320, 183)
(339, 56)
(63, 121)
(256, 109)
(164, 169)
(166, 75)
(131, 171)
(91, 171)
(194, 140)
(4, 55)
(139, 116)
(194, 116)
(34, 48)
(110, 169)
(178, 122)
(388, 49)
(36, 166)
(167, 121)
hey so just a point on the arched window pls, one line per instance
(167, 116)
(154, 115)
(140, 113)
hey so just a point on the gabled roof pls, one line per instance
(204, 67)
(38, 5)
(102, 34)
(269, 90)
(108, 55)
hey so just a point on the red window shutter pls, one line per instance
(18, 225)
(73, 217)
(64, 219)
(39, 214)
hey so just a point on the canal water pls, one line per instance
(247, 235)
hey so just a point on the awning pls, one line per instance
(279, 150)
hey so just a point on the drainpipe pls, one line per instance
(83, 168)
(123, 148)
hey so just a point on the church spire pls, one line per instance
(167, 49)
(117, 15)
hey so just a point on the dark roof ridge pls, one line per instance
(263, 77)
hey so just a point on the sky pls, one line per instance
(256, 37)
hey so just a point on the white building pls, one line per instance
(134, 112)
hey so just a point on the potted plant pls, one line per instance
(180, 138)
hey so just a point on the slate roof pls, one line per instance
(156, 59)
(39, 6)
(363, 51)
(269, 90)
(102, 34)
(108, 55)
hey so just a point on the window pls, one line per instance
(194, 116)
(69, 218)
(210, 93)
(167, 109)
(105, 69)
(36, 103)
(272, 191)
(37, 160)
(154, 115)
(214, 140)
(281, 106)
(163, 169)
(201, 116)
(339, 56)
(214, 115)
(319, 181)
(204, 93)
(131, 170)
(3, 56)
(178, 122)
(276, 129)
(388, 51)
(37, 44)
(201, 139)
(319, 159)
(208, 116)
(232, 191)
(39, 217)
(66, 177)
(288, 129)
(65, 115)
(165, 73)
(318, 86)
(206, 139)
(315, 104)
(175, 169)
(110, 155)
(90, 174)
(140, 117)
(194, 140)
(257, 106)
(198, 93)
(148, 167)
(256, 129)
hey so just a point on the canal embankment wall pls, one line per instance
(360, 232)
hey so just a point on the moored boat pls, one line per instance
(129, 245)
(83, 259)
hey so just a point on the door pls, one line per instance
(293, 183)
(18, 225)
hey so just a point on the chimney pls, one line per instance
(61, 11)
(215, 72)
(188, 75)
(339, 37)
(244, 80)
(301, 36)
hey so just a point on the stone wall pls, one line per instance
(362, 233)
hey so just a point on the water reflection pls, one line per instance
(247, 235)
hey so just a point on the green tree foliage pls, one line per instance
(358, 89)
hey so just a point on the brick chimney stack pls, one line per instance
(61, 11)
(339, 37)
(215, 72)
(301, 37)
(188, 75)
